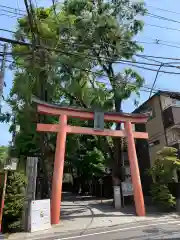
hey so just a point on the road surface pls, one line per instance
(157, 230)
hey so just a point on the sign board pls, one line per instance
(117, 197)
(40, 215)
(12, 166)
(107, 170)
(127, 189)
(99, 121)
(127, 173)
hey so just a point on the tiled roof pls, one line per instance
(169, 93)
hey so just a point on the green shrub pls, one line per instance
(14, 200)
(162, 196)
(162, 173)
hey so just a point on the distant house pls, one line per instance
(163, 127)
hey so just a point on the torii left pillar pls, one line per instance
(58, 170)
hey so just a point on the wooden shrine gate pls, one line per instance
(63, 128)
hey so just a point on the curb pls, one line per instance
(79, 231)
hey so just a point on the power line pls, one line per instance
(157, 57)
(162, 18)
(148, 24)
(11, 12)
(152, 25)
(7, 30)
(119, 61)
(16, 9)
(154, 82)
(144, 88)
(163, 27)
(70, 53)
(7, 15)
(153, 60)
(126, 62)
(103, 75)
(138, 55)
(23, 12)
(156, 41)
(163, 10)
(160, 40)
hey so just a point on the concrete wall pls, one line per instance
(155, 128)
(166, 101)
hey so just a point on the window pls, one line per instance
(172, 137)
(167, 102)
(154, 143)
(177, 103)
(150, 111)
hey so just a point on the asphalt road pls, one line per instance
(159, 230)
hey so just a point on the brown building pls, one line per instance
(163, 127)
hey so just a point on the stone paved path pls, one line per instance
(85, 213)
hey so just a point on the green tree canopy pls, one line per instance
(163, 173)
(3, 155)
(75, 59)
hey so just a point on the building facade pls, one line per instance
(163, 125)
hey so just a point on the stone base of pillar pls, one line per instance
(117, 197)
(178, 205)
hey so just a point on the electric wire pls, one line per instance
(151, 43)
(163, 10)
(147, 87)
(93, 58)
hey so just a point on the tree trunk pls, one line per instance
(117, 164)
(117, 161)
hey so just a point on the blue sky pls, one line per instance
(149, 34)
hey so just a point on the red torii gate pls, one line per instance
(63, 128)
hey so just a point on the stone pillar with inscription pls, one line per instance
(31, 174)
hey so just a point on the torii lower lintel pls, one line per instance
(62, 129)
(89, 131)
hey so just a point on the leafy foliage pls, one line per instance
(14, 198)
(76, 69)
(3, 155)
(162, 172)
(166, 163)
(161, 195)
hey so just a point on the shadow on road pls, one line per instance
(87, 211)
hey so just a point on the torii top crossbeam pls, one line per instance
(55, 109)
(63, 128)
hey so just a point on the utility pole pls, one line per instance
(2, 73)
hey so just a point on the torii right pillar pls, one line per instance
(135, 174)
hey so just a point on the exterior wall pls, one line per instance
(142, 149)
(171, 117)
(166, 101)
(176, 114)
(154, 149)
(173, 136)
(168, 117)
(155, 128)
(158, 134)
